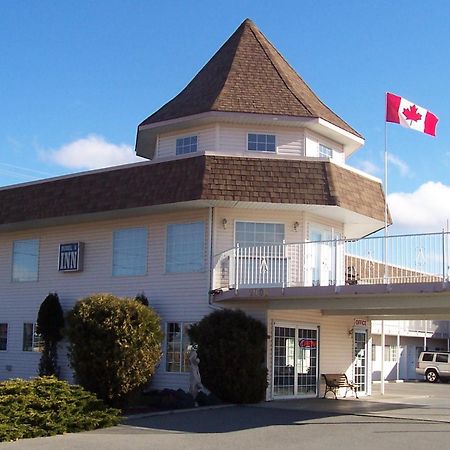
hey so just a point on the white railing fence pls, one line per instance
(414, 258)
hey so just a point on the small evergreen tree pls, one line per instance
(232, 351)
(142, 298)
(115, 344)
(50, 323)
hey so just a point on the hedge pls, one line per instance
(46, 406)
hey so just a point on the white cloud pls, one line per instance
(369, 167)
(91, 152)
(400, 164)
(426, 209)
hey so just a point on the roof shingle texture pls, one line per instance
(196, 178)
(248, 75)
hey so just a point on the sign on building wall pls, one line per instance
(70, 257)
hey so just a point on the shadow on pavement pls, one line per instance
(237, 418)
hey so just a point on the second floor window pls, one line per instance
(325, 152)
(130, 252)
(249, 234)
(186, 145)
(261, 142)
(185, 247)
(25, 260)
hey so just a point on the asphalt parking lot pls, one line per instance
(408, 416)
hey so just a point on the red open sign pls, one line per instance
(307, 343)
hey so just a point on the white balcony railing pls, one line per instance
(414, 258)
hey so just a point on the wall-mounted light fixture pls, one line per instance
(224, 223)
(296, 225)
(350, 332)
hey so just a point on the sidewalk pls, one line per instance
(411, 401)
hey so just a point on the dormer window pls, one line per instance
(186, 144)
(261, 143)
(325, 152)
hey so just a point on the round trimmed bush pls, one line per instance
(47, 406)
(232, 350)
(115, 344)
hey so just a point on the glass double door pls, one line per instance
(295, 361)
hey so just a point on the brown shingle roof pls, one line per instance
(248, 75)
(196, 178)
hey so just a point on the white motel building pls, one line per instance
(245, 201)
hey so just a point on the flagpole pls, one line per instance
(385, 199)
(385, 243)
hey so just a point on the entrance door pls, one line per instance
(413, 356)
(319, 258)
(307, 361)
(295, 361)
(360, 359)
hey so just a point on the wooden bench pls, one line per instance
(335, 381)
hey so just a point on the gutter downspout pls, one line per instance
(211, 243)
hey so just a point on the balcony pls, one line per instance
(402, 259)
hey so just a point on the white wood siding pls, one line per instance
(233, 141)
(166, 143)
(312, 142)
(175, 297)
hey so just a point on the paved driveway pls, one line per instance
(409, 416)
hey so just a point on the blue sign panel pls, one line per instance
(70, 257)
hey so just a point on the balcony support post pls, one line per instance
(443, 257)
(236, 267)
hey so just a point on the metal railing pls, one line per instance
(413, 258)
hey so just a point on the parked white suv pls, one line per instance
(434, 366)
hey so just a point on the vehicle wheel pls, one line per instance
(431, 376)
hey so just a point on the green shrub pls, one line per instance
(114, 346)
(169, 399)
(50, 323)
(47, 406)
(232, 349)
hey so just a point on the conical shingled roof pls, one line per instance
(248, 75)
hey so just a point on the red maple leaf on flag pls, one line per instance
(412, 114)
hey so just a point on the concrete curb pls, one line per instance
(174, 411)
(404, 418)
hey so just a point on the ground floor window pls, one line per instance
(177, 347)
(390, 353)
(32, 341)
(3, 336)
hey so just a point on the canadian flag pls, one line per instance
(408, 114)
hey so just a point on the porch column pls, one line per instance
(398, 351)
(425, 336)
(382, 359)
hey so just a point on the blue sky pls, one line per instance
(78, 76)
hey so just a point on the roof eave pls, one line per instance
(350, 141)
